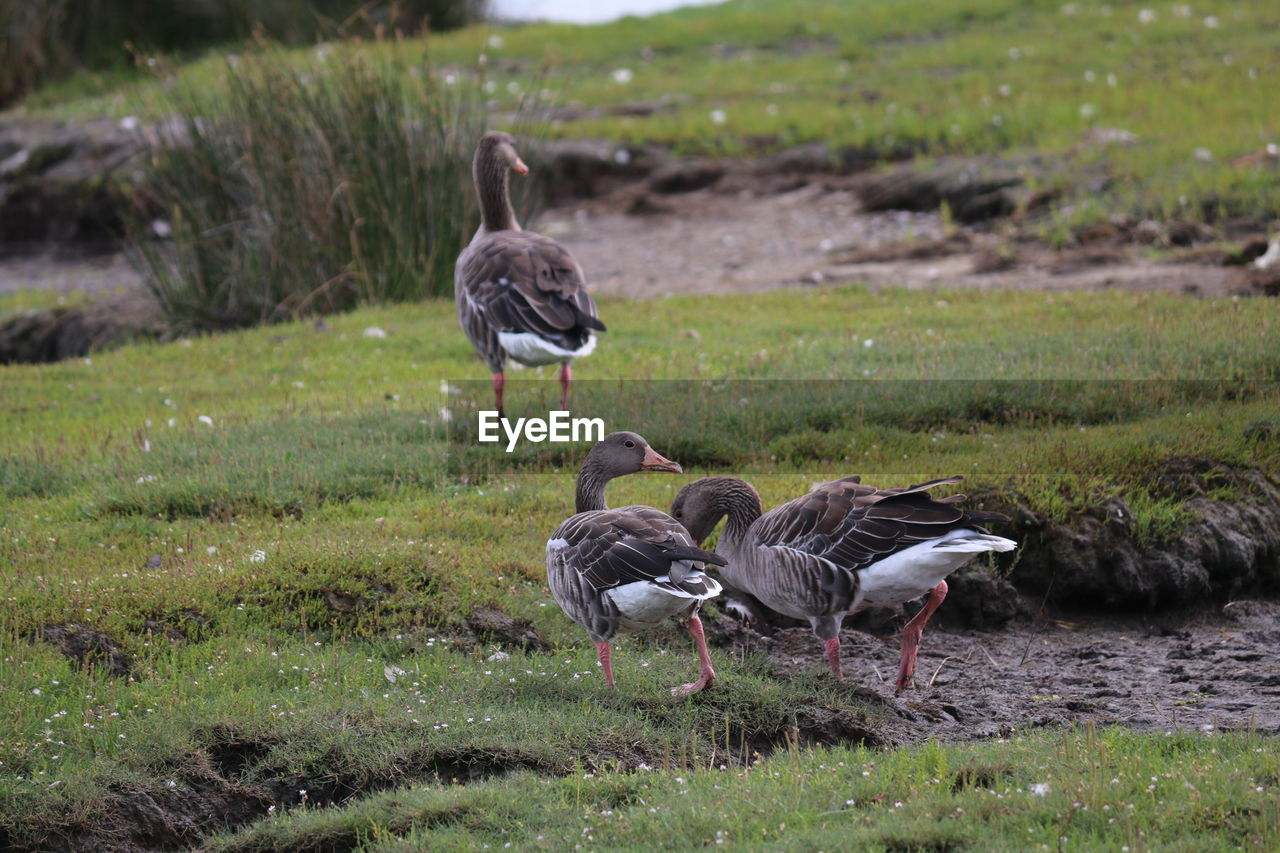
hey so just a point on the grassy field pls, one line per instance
(268, 543)
(891, 78)
(261, 542)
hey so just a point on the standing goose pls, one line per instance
(520, 295)
(628, 569)
(841, 548)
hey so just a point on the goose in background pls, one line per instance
(842, 547)
(632, 568)
(520, 295)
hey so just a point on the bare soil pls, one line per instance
(1213, 670)
(745, 234)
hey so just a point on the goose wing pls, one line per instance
(522, 282)
(612, 547)
(852, 525)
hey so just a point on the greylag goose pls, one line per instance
(840, 548)
(628, 569)
(519, 295)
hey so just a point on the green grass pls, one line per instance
(1100, 791)
(212, 552)
(890, 77)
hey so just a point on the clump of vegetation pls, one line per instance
(309, 188)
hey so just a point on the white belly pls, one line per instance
(912, 572)
(645, 605)
(528, 348)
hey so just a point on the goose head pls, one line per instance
(700, 505)
(500, 148)
(623, 453)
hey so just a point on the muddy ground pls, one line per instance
(1217, 669)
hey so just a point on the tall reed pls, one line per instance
(311, 187)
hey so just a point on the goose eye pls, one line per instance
(678, 513)
(630, 443)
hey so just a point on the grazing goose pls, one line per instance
(520, 295)
(840, 548)
(628, 569)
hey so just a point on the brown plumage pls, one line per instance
(519, 295)
(627, 569)
(840, 548)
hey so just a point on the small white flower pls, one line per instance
(205, 419)
(1087, 110)
(130, 123)
(212, 549)
(1211, 22)
(1204, 155)
(1005, 90)
(450, 79)
(147, 478)
(258, 556)
(495, 41)
(1146, 16)
(35, 691)
(718, 117)
(1039, 789)
(622, 75)
(375, 332)
(161, 229)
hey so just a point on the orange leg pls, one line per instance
(603, 653)
(911, 636)
(499, 382)
(708, 675)
(832, 648)
(566, 377)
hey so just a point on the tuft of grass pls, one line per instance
(310, 188)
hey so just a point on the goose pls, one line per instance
(519, 295)
(842, 547)
(632, 568)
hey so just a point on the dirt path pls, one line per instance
(1207, 672)
(713, 241)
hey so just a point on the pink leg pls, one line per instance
(566, 376)
(912, 633)
(832, 647)
(499, 382)
(708, 675)
(603, 653)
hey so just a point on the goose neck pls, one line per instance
(492, 179)
(742, 507)
(591, 482)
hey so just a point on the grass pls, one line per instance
(1080, 790)
(892, 78)
(281, 533)
(218, 525)
(342, 182)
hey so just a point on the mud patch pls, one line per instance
(74, 331)
(493, 626)
(1219, 670)
(89, 648)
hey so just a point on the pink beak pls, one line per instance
(655, 461)
(520, 168)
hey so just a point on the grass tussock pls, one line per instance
(309, 188)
